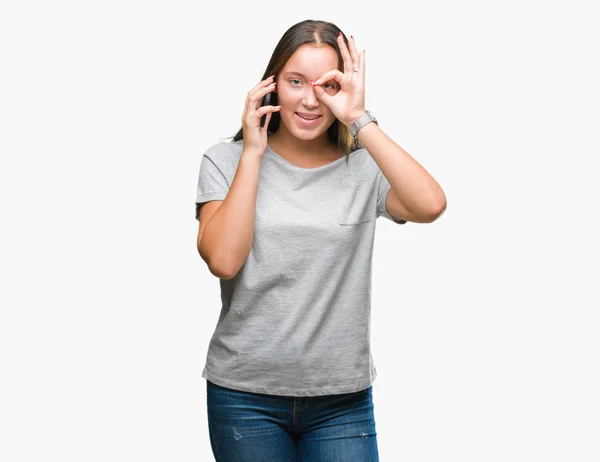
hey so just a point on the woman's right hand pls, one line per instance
(255, 137)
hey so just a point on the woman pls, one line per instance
(287, 219)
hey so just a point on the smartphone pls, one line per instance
(265, 102)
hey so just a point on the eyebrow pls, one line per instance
(295, 73)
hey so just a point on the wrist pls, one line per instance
(357, 124)
(354, 117)
(251, 155)
(364, 131)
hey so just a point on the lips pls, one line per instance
(304, 114)
(308, 122)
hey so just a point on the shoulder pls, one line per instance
(224, 157)
(362, 166)
(225, 152)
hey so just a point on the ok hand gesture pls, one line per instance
(348, 104)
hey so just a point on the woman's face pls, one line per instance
(296, 94)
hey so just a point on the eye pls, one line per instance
(332, 86)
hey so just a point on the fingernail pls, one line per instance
(352, 37)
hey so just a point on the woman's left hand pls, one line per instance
(348, 104)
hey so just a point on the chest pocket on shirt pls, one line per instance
(357, 202)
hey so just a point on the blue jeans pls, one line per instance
(255, 427)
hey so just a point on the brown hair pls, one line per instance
(308, 31)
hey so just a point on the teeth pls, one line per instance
(308, 118)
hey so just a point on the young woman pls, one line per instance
(287, 220)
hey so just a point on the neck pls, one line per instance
(291, 144)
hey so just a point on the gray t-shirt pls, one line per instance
(295, 320)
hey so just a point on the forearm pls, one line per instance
(227, 239)
(410, 181)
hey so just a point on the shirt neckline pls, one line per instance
(305, 169)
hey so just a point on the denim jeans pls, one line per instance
(256, 427)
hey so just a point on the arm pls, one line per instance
(225, 241)
(415, 195)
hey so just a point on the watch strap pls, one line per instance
(361, 122)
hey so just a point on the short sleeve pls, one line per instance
(383, 187)
(212, 184)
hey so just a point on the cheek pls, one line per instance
(281, 93)
(283, 100)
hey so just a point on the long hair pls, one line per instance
(308, 31)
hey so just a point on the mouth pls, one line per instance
(308, 120)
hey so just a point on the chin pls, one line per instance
(308, 136)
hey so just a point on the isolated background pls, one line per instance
(484, 324)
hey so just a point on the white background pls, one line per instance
(484, 323)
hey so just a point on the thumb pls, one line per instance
(321, 94)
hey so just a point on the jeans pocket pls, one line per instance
(358, 204)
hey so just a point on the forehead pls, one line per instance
(312, 60)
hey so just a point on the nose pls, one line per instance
(310, 99)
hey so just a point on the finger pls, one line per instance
(265, 127)
(268, 117)
(333, 74)
(361, 65)
(353, 53)
(264, 110)
(261, 89)
(260, 93)
(262, 84)
(344, 52)
(322, 95)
